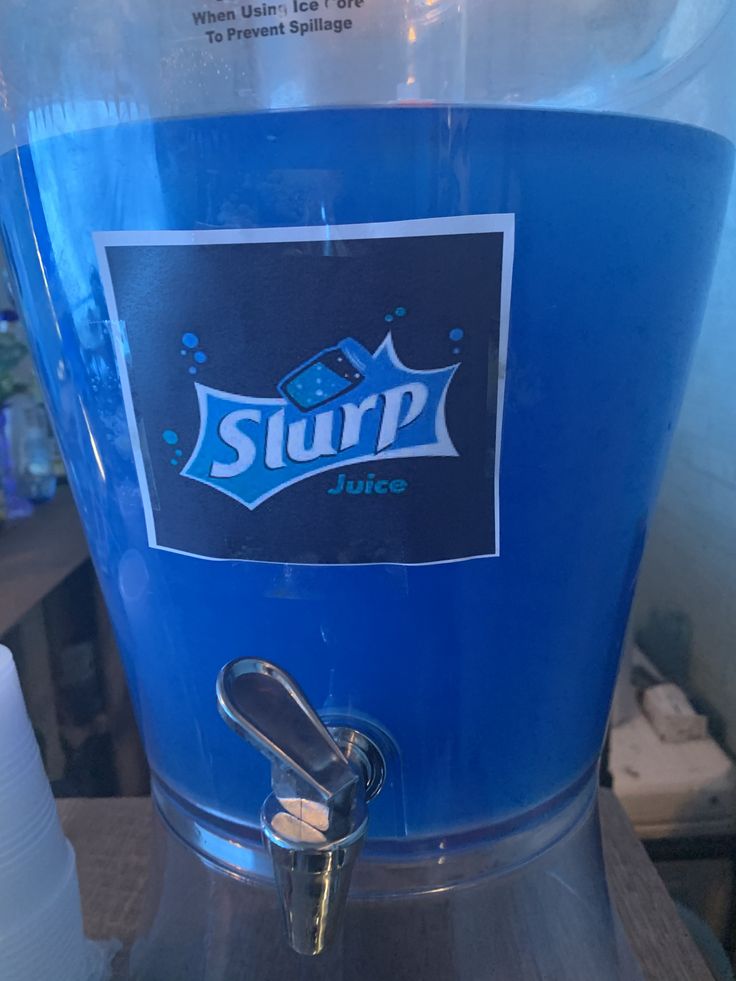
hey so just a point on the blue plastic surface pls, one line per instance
(493, 676)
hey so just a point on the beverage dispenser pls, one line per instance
(364, 325)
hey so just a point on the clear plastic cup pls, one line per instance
(41, 933)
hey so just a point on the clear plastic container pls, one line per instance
(364, 326)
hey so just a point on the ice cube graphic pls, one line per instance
(327, 375)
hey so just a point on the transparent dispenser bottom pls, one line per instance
(526, 903)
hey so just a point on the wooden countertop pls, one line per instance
(111, 838)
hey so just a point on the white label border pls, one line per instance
(413, 228)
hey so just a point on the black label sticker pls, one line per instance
(316, 395)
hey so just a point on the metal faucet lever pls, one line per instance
(315, 821)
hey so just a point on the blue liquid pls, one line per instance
(492, 676)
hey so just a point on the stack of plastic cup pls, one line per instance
(41, 935)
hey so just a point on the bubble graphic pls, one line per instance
(170, 437)
(173, 461)
(456, 350)
(457, 334)
(400, 311)
(192, 370)
(189, 340)
(200, 357)
(182, 352)
(177, 452)
(389, 318)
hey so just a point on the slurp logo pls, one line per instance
(264, 429)
(344, 405)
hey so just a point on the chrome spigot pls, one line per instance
(315, 821)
